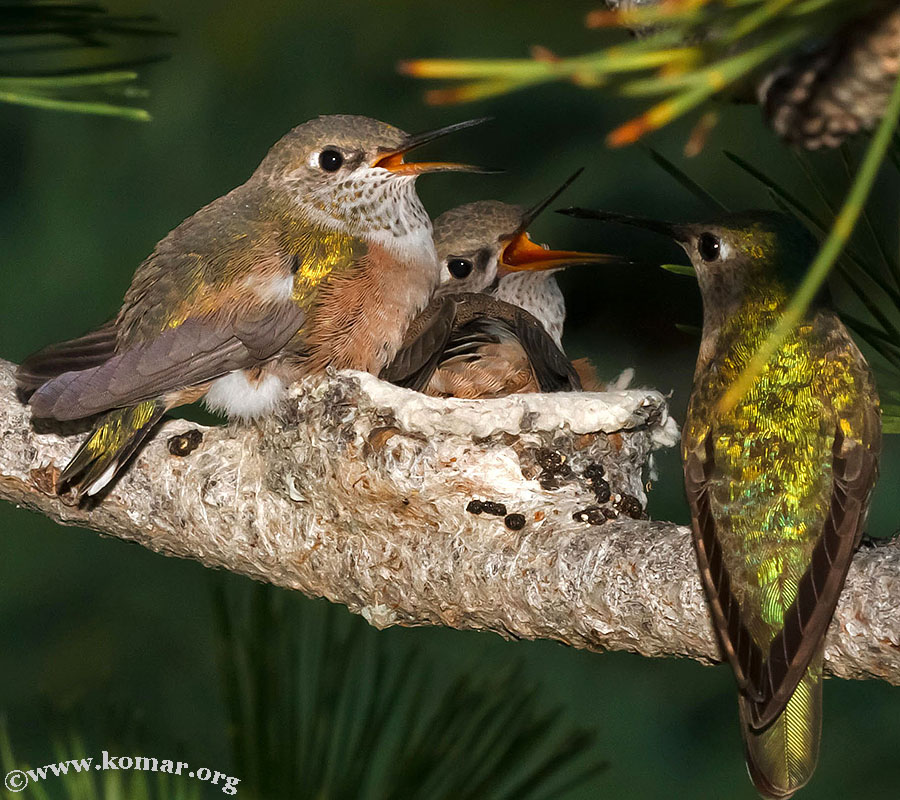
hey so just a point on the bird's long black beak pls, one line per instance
(680, 233)
(520, 253)
(392, 160)
(418, 139)
(538, 209)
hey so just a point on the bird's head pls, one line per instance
(735, 255)
(349, 173)
(480, 244)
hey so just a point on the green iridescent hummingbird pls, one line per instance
(321, 259)
(779, 485)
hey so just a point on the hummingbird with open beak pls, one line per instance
(322, 258)
(495, 324)
(779, 484)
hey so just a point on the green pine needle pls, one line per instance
(59, 31)
(345, 711)
(680, 269)
(75, 106)
(693, 51)
(129, 784)
(687, 182)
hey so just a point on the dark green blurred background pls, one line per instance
(94, 628)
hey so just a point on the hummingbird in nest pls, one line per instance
(322, 258)
(495, 324)
(779, 484)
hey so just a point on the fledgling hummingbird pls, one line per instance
(779, 485)
(322, 258)
(496, 322)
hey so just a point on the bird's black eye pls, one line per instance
(330, 160)
(460, 267)
(709, 247)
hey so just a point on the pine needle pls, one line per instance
(691, 51)
(55, 31)
(827, 255)
(372, 720)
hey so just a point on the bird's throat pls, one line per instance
(360, 317)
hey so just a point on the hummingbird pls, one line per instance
(495, 324)
(779, 485)
(322, 258)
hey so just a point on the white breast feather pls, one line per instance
(242, 399)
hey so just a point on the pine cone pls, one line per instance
(819, 98)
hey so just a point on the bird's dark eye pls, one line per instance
(709, 247)
(460, 267)
(330, 160)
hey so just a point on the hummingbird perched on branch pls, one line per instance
(778, 485)
(495, 324)
(322, 258)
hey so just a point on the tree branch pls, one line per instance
(359, 493)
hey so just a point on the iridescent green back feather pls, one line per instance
(768, 493)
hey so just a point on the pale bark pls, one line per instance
(359, 491)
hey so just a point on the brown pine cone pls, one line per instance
(819, 98)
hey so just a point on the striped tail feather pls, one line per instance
(85, 352)
(108, 448)
(782, 756)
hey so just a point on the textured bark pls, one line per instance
(359, 493)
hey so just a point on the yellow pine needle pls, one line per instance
(626, 58)
(686, 73)
(660, 115)
(673, 69)
(721, 73)
(470, 92)
(827, 255)
(623, 58)
(701, 84)
(588, 79)
(755, 19)
(470, 67)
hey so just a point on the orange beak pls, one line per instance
(392, 160)
(522, 254)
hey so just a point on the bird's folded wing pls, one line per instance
(423, 346)
(745, 655)
(196, 351)
(552, 368)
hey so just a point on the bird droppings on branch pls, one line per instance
(515, 522)
(184, 444)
